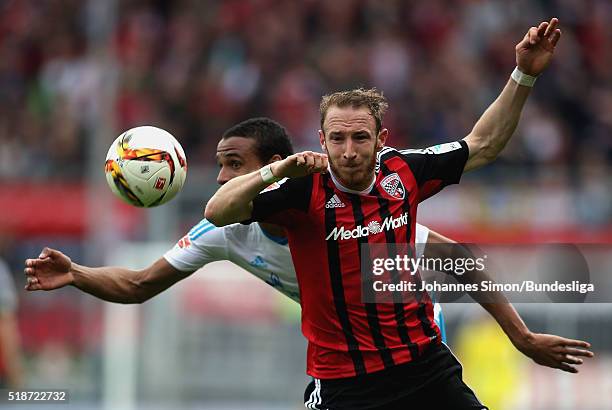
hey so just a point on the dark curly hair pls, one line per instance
(271, 137)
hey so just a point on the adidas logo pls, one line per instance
(258, 262)
(334, 202)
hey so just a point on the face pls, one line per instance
(236, 156)
(350, 140)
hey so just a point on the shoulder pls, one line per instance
(241, 232)
(386, 155)
(202, 229)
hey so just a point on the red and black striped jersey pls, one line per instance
(327, 226)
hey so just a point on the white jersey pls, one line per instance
(251, 248)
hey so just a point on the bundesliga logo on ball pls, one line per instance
(145, 166)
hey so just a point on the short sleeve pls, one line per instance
(291, 194)
(420, 239)
(203, 244)
(437, 166)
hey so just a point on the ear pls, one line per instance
(382, 139)
(274, 158)
(322, 141)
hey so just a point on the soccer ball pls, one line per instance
(145, 166)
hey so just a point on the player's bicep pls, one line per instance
(476, 158)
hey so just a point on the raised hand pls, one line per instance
(51, 270)
(556, 352)
(301, 164)
(534, 52)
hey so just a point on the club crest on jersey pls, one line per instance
(392, 184)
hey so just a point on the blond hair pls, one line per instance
(373, 99)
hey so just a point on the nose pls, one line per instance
(223, 177)
(349, 151)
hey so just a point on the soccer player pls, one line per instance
(11, 371)
(261, 249)
(365, 355)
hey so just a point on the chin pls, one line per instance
(352, 179)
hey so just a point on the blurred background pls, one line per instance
(76, 73)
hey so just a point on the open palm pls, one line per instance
(535, 51)
(51, 270)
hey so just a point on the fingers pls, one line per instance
(532, 35)
(547, 30)
(313, 161)
(555, 36)
(567, 368)
(32, 283)
(578, 352)
(310, 161)
(551, 27)
(574, 343)
(568, 358)
(320, 163)
(542, 29)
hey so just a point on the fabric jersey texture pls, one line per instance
(327, 226)
(250, 247)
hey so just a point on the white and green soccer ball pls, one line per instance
(145, 166)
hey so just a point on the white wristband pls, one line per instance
(267, 175)
(523, 79)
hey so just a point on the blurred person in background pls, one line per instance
(11, 371)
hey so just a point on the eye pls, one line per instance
(235, 164)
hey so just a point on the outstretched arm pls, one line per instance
(495, 127)
(233, 202)
(53, 270)
(547, 350)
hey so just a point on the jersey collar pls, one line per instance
(348, 190)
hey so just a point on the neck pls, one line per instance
(274, 230)
(362, 188)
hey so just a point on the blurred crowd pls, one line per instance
(195, 67)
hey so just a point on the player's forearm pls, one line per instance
(233, 201)
(112, 284)
(493, 130)
(498, 306)
(511, 323)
